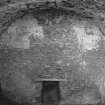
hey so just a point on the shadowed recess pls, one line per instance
(50, 93)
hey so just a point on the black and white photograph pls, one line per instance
(52, 52)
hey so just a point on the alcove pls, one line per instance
(50, 94)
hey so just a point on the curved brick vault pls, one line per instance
(57, 47)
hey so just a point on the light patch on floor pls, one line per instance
(88, 38)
